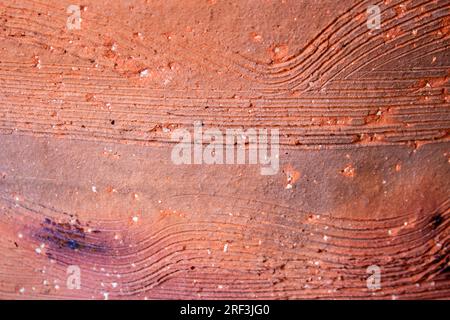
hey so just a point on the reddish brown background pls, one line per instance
(364, 118)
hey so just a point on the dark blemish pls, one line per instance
(72, 236)
(15, 243)
(113, 122)
(445, 270)
(437, 221)
(73, 244)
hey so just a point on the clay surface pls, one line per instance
(86, 177)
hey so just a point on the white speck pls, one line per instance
(144, 73)
(209, 252)
(133, 265)
(220, 286)
(405, 224)
(114, 47)
(390, 232)
(105, 295)
(135, 219)
(225, 247)
(20, 236)
(22, 290)
(45, 282)
(56, 287)
(288, 186)
(316, 263)
(114, 284)
(325, 238)
(38, 62)
(94, 189)
(394, 297)
(38, 250)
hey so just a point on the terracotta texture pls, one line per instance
(86, 176)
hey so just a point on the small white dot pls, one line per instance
(144, 73)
